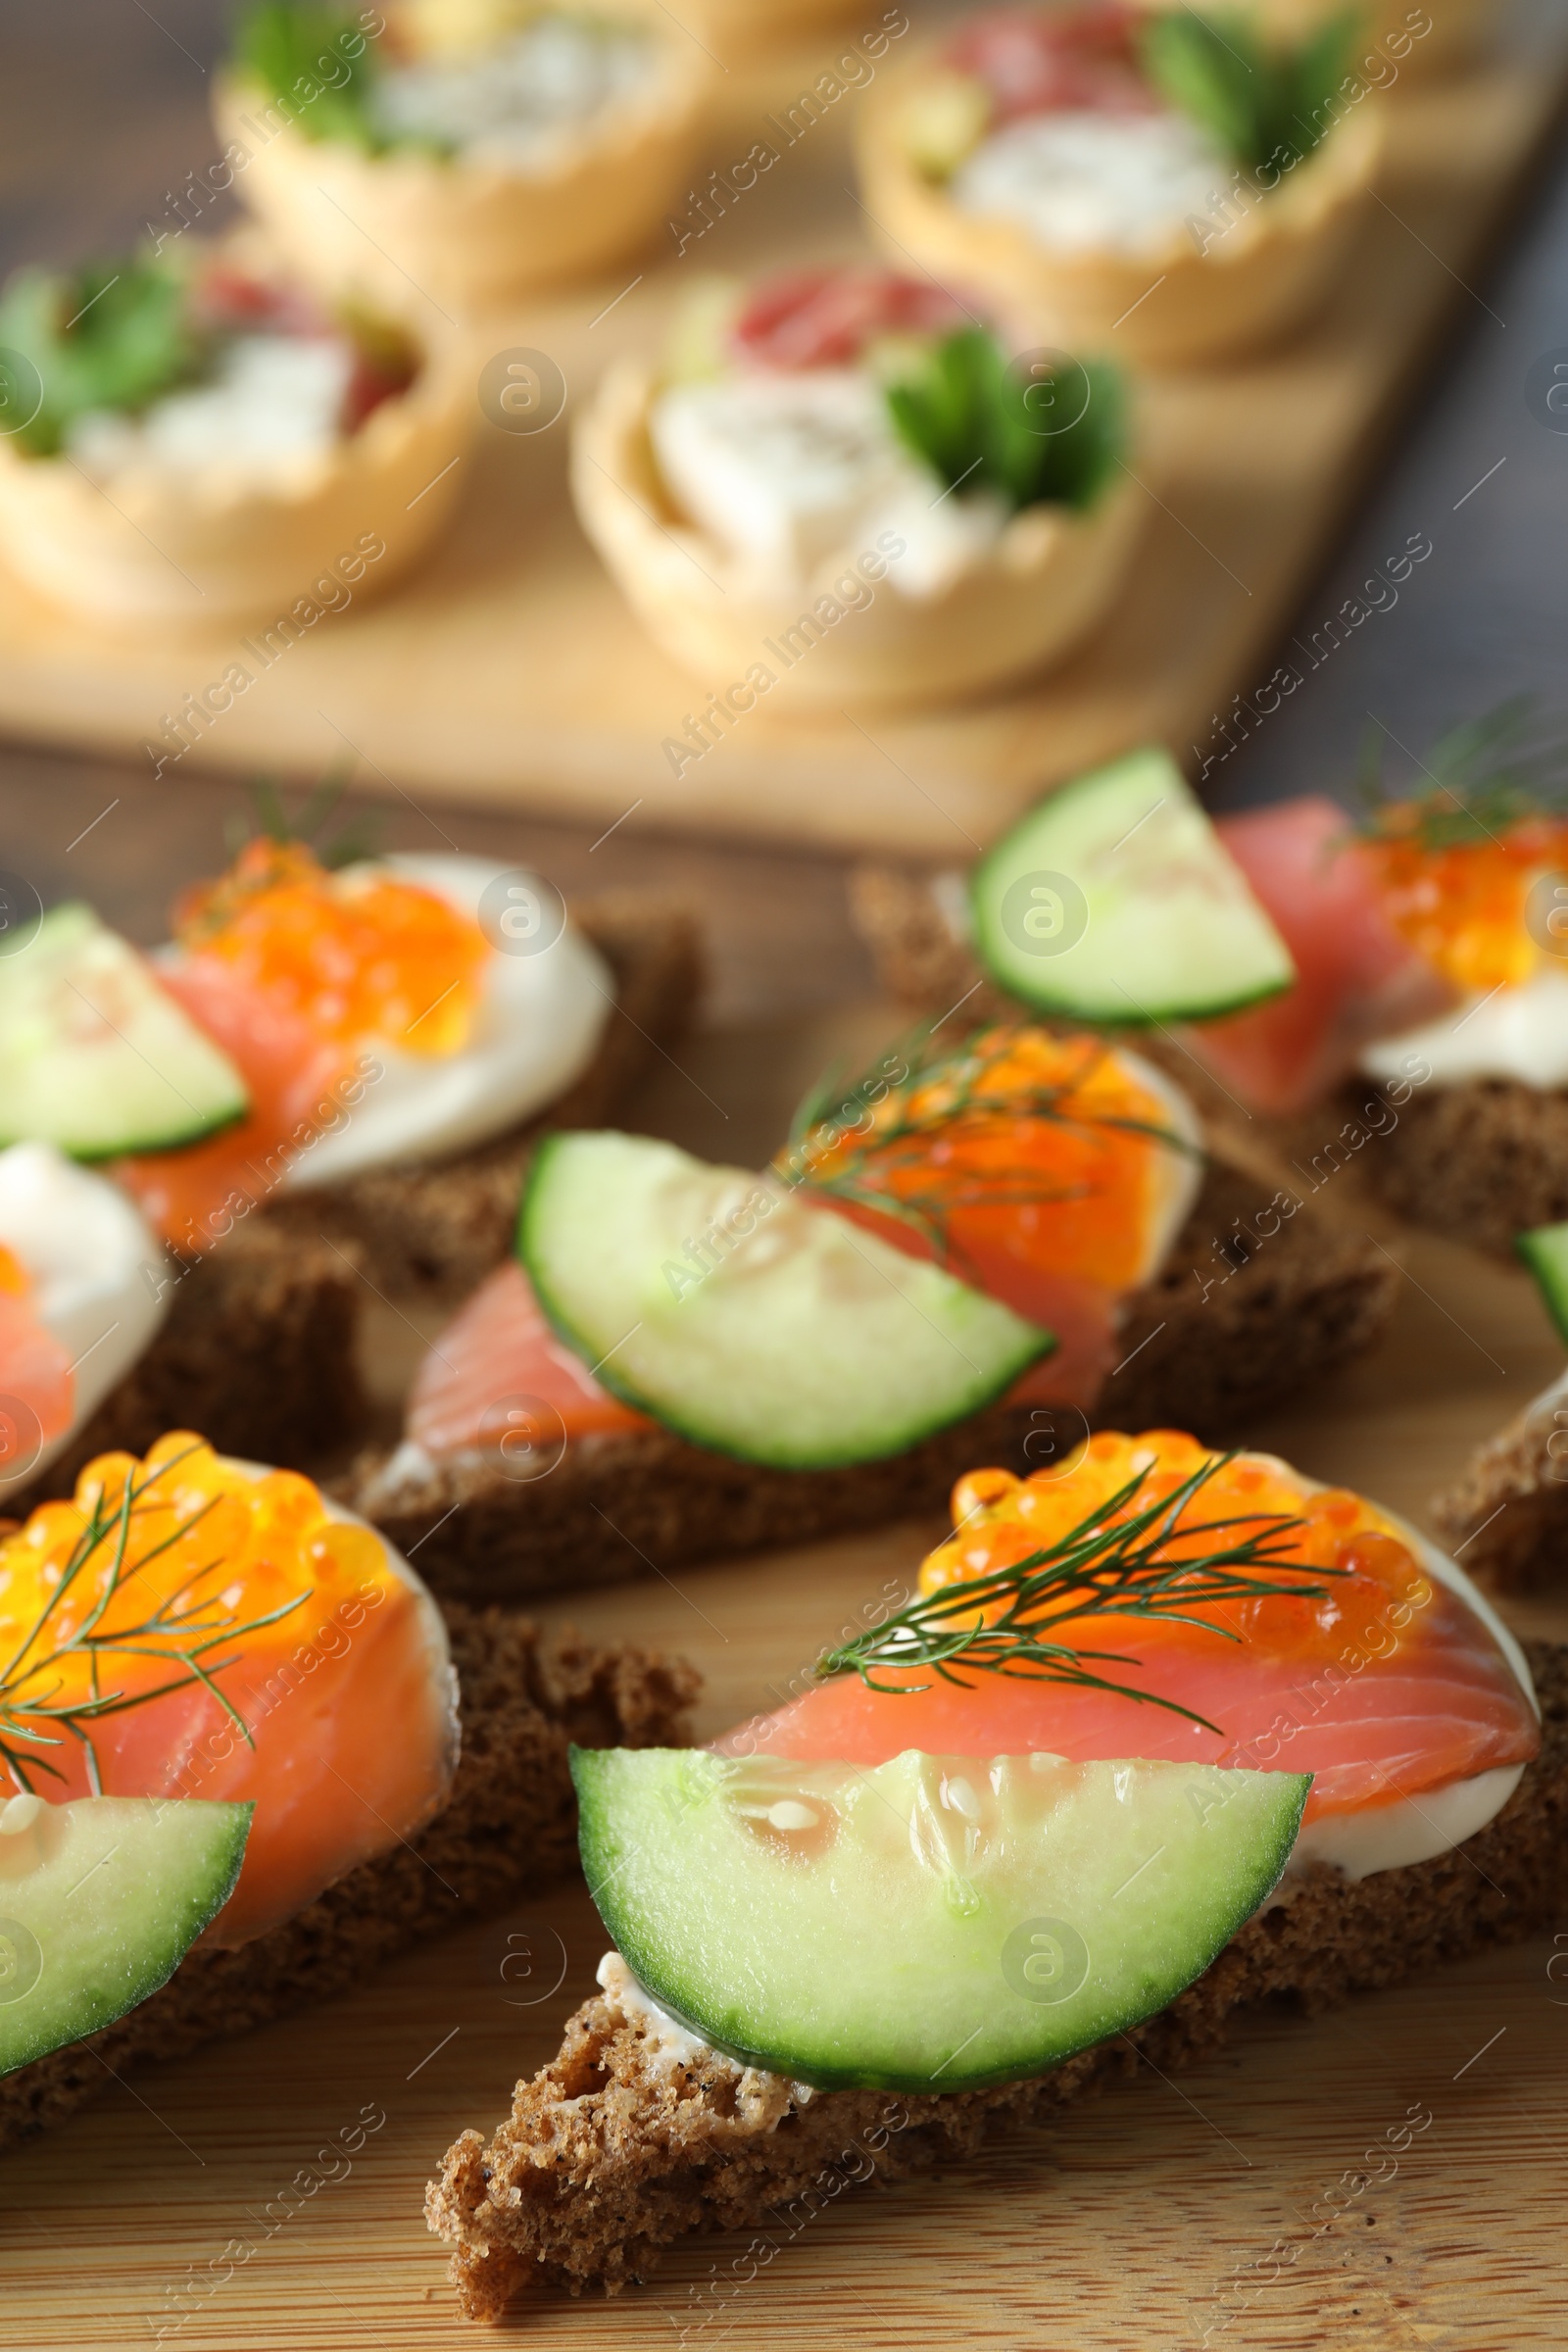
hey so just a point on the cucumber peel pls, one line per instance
(750, 1319)
(1116, 902)
(100, 1900)
(1545, 1250)
(96, 1057)
(934, 1923)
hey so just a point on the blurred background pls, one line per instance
(104, 111)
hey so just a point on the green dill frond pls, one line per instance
(1478, 781)
(1009, 1622)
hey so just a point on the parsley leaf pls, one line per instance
(113, 336)
(300, 53)
(1268, 107)
(981, 424)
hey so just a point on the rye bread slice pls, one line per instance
(437, 1229)
(1507, 1511)
(508, 1828)
(257, 1350)
(1223, 1333)
(627, 2144)
(1483, 1160)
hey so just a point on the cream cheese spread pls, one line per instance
(1084, 183)
(1519, 1033)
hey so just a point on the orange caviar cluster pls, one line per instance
(1001, 1520)
(1463, 909)
(15, 1279)
(1047, 1142)
(352, 956)
(206, 1539)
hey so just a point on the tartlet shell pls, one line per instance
(470, 235)
(210, 547)
(1173, 307)
(1047, 583)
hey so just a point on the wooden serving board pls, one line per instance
(1132, 2225)
(509, 671)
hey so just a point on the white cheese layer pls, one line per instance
(1082, 182)
(517, 104)
(1178, 1173)
(274, 403)
(536, 1027)
(791, 472)
(96, 1274)
(1519, 1033)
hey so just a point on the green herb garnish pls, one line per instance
(295, 50)
(181, 1632)
(270, 821)
(113, 336)
(838, 1144)
(982, 422)
(1102, 1567)
(1481, 779)
(1267, 104)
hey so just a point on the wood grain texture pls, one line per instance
(1137, 2222)
(509, 671)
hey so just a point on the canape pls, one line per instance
(993, 1239)
(1508, 1510)
(478, 152)
(838, 477)
(1424, 1037)
(1161, 1733)
(362, 1052)
(1113, 180)
(201, 1661)
(200, 444)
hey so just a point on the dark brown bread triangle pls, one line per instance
(1508, 1509)
(439, 1229)
(1229, 1327)
(509, 1828)
(257, 1351)
(615, 2150)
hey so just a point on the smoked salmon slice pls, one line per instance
(497, 1366)
(1386, 1686)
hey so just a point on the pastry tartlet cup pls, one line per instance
(208, 546)
(469, 235)
(1174, 306)
(1460, 31)
(1048, 581)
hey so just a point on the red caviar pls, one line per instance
(1387, 1684)
(1463, 909)
(347, 1697)
(354, 955)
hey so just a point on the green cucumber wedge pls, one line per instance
(1114, 901)
(935, 1923)
(750, 1320)
(95, 1056)
(100, 1901)
(1544, 1252)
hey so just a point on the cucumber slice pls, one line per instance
(100, 1901)
(809, 1344)
(95, 1056)
(1115, 901)
(937, 1923)
(1545, 1252)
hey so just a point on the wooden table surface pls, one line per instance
(1153, 2215)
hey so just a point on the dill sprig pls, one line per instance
(180, 1629)
(1483, 778)
(865, 1166)
(270, 821)
(1006, 1622)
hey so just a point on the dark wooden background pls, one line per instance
(103, 110)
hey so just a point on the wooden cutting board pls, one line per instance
(1164, 2208)
(509, 671)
